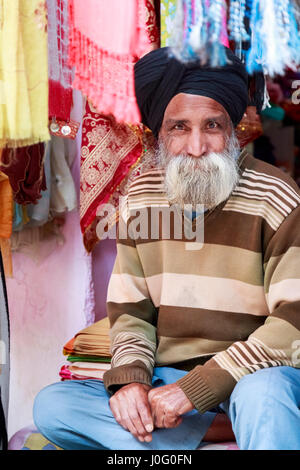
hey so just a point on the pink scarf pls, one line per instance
(106, 39)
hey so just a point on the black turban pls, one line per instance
(159, 77)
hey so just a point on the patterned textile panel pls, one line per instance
(30, 439)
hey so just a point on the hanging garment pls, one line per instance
(145, 162)
(60, 74)
(108, 152)
(195, 29)
(4, 359)
(6, 221)
(25, 170)
(39, 213)
(63, 191)
(106, 38)
(6, 207)
(23, 73)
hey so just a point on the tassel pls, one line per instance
(217, 53)
(275, 41)
(236, 24)
(197, 31)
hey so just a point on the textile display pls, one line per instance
(4, 358)
(39, 213)
(25, 170)
(196, 29)
(106, 38)
(63, 191)
(60, 74)
(88, 353)
(265, 33)
(91, 341)
(84, 370)
(23, 73)
(108, 152)
(6, 204)
(144, 160)
(29, 438)
(6, 221)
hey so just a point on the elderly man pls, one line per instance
(196, 328)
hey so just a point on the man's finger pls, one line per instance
(137, 423)
(130, 426)
(115, 410)
(145, 415)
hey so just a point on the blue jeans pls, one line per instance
(263, 409)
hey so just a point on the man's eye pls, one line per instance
(178, 127)
(213, 125)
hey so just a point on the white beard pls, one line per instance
(206, 180)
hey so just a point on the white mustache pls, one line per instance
(208, 180)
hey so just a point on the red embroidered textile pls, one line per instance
(25, 170)
(106, 39)
(60, 73)
(141, 158)
(108, 151)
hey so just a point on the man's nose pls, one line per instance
(196, 144)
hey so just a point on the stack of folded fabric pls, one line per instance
(88, 353)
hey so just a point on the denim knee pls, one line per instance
(271, 382)
(46, 409)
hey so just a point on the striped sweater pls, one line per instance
(220, 310)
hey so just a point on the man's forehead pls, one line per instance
(185, 106)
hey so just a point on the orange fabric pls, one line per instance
(5, 249)
(6, 207)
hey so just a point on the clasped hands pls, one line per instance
(140, 408)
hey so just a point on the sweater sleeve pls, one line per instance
(276, 342)
(131, 313)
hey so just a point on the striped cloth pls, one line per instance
(221, 310)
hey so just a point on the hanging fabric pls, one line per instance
(275, 38)
(146, 161)
(25, 170)
(60, 73)
(106, 39)
(6, 222)
(197, 29)
(63, 192)
(111, 150)
(108, 152)
(23, 73)
(264, 33)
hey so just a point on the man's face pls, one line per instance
(199, 151)
(195, 126)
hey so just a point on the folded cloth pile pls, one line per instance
(88, 353)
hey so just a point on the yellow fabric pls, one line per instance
(36, 441)
(23, 73)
